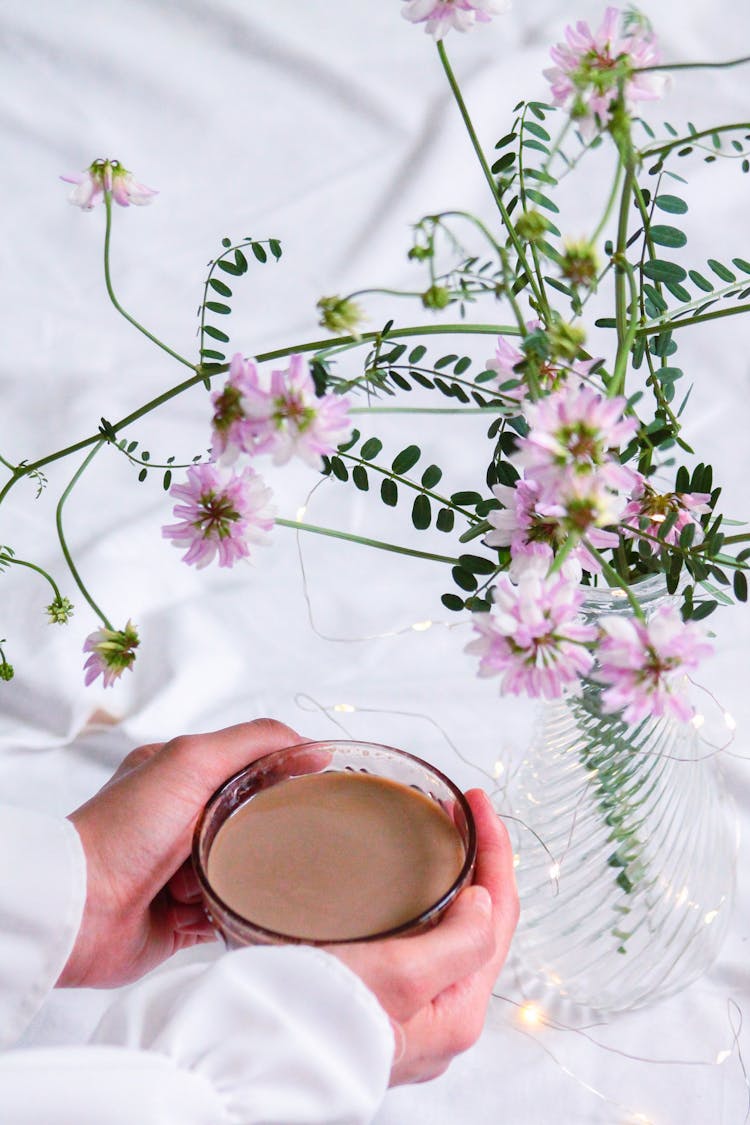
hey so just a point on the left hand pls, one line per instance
(142, 897)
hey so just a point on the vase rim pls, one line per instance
(648, 590)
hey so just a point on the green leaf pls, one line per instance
(220, 287)
(446, 518)
(167, 480)
(371, 448)
(143, 474)
(452, 602)
(541, 200)
(741, 264)
(215, 333)
(477, 564)
(537, 130)
(721, 271)
(421, 512)
(417, 353)
(671, 203)
(504, 162)
(699, 280)
(431, 476)
(229, 267)
(464, 578)
(703, 609)
(218, 307)
(240, 260)
(660, 270)
(506, 140)
(275, 247)
(406, 459)
(667, 236)
(389, 492)
(740, 586)
(259, 252)
(463, 364)
(339, 469)
(465, 499)
(360, 478)
(445, 361)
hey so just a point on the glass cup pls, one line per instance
(383, 762)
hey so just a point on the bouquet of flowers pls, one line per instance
(586, 479)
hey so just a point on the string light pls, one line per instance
(345, 708)
(530, 1014)
(422, 626)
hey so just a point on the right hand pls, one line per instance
(436, 986)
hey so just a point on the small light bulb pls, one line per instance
(421, 626)
(345, 707)
(698, 720)
(301, 513)
(722, 1057)
(498, 769)
(731, 722)
(709, 917)
(530, 1014)
(554, 871)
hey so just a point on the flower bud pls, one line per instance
(436, 297)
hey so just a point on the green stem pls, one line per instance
(279, 353)
(610, 204)
(58, 520)
(692, 65)
(491, 408)
(296, 525)
(110, 290)
(691, 138)
(507, 221)
(39, 570)
(654, 327)
(470, 516)
(617, 384)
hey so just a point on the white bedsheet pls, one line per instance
(329, 126)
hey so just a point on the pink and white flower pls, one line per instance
(551, 376)
(648, 509)
(107, 176)
(535, 529)
(290, 419)
(590, 65)
(231, 431)
(532, 637)
(644, 664)
(221, 513)
(572, 433)
(111, 652)
(439, 16)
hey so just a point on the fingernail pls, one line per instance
(482, 900)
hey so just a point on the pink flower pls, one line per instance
(439, 16)
(291, 419)
(644, 665)
(222, 513)
(571, 434)
(107, 175)
(648, 510)
(590, 65)
(551, 376)
(532, 638)
(112, 651)
(232, 432)
(535, 528)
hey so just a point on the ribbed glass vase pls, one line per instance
(626, 848)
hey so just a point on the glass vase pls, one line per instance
(626, 846)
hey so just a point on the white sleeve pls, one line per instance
(42, 895)
(263, 1035)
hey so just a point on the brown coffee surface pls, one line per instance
(334, 856)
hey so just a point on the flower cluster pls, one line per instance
(583, 488)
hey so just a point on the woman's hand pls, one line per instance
(436, 986)
(142, 897)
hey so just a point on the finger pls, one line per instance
(210, 759)
(135, 759)
(184, 886)
(494, 869)
(408, 973)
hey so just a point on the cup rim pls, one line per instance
(277, 936)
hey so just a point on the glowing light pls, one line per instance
(530, 1014)
(618, 593)
(516, 860)
(722, 1057)
(730, 721)
(421, 626)
(554, 871)
(301, 513)
(345, 707)
(658, 517)
(498, 769)
(698, 720)
(682, 897)
(708, 918)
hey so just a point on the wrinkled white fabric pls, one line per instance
(274, 1035)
